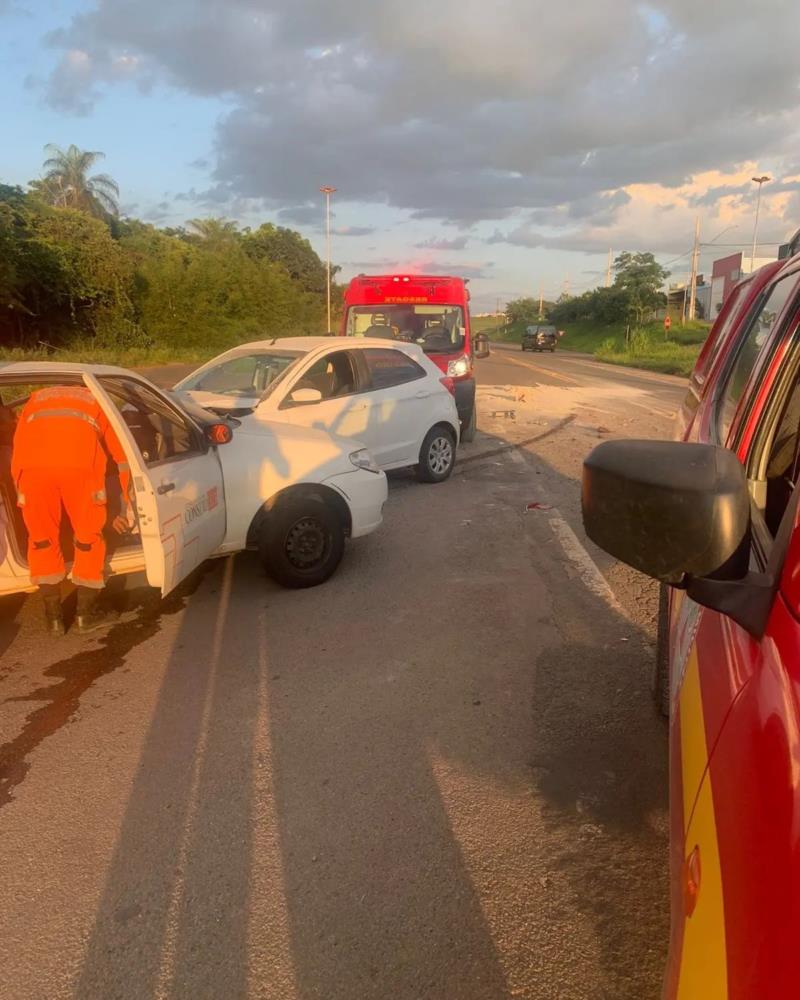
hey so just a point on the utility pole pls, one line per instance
(497, 313)
(541, 302)
(327, 190)
(608, 269)
(760, 181)
(695, 262)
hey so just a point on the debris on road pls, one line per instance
(530, 507)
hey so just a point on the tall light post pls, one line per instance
(327, 190)
(760, 181)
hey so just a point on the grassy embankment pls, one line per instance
(648, 347)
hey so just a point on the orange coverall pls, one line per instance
(61, 449)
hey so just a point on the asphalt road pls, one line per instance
(438, 776)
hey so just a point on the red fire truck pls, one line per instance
(429, 310)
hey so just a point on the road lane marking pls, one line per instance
(571, 546)
(542, 371)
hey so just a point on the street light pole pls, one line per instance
(760, 181)
(327, 190)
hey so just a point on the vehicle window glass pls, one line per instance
(244, 375)
(724, 328)
(757, 335)
(783, 460)
(160, 432)
(333, 375)
(438, 329)
(388, 368)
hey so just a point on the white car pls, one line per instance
(386, 394)
(203, 486)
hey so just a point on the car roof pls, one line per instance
(306, 344)
(59, 368)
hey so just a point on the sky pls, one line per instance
(514, 143)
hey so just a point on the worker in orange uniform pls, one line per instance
(62, 445)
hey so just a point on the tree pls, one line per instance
(640, 276)
(523, 311)
(295, 254)
(67, 183)
(214, 231)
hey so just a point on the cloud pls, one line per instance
(354, 230)
(458, 122)
(419, 265)
(457, 243)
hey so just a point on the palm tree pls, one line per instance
(67, 184)
(214, 230)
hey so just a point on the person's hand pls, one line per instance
(120, 524)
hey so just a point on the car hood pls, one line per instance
(218, 400)
(285, 451)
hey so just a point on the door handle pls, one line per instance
(165, 488)
(422, 394)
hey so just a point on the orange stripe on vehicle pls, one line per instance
(694, 753)
(703, 969)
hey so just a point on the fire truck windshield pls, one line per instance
(438, 329)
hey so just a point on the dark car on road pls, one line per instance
(539, 338)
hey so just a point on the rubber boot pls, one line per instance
(53, 615)
(88, 616)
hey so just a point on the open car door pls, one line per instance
(176, 475)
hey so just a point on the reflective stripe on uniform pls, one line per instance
(79, 581)
(74, 414)
(51, 578)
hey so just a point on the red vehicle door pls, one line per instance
(735, 739)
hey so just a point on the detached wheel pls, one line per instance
(437, 455)
(302, 542)
(661, 675)
(468, 429)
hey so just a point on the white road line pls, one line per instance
(575, 552)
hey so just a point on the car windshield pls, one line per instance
(438, 329)
(244, 375)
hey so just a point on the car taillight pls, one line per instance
(449, 383)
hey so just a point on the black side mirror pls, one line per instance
(668, 509)
(680, 513)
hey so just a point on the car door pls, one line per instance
(734, 698)
(400, 398)
(343, 408)
(176, 475)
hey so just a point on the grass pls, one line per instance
(648, 347)
(124, 357)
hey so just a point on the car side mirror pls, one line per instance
(668, 509)
(305, 397)
(680, 513)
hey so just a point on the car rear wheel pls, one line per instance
(661, 675)
(437, 455)
(302, 542)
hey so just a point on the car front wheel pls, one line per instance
(437, 455)
(302, 542)
(469, 427)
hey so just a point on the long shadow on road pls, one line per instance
(371, 705)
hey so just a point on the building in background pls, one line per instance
(725, 272)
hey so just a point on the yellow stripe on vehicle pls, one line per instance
(703, 971)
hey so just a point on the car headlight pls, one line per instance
(455, 369)
(362, 459)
